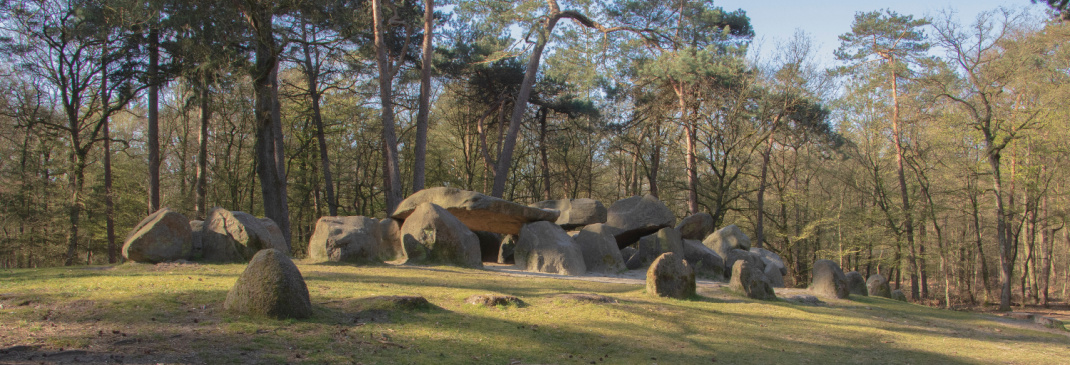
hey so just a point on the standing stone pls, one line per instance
(545, 247)
(576, 213)
(737, 254)
(433, 235)
(670, 276)
(236, 236)
(829, 280)
(275, 237)
(696, 226)
(774, 276)
(477, 211)
(705, 262)
(651, 246)
(898, 295)
(162, 236)
(390, 248)
(638, 216)
(856, 284)
(878, 286)
(771, 259)
(490, 244)
(752, 282)
(270, 286)
(725, 239)
(599, 248)
(353, 239)
(506, 250)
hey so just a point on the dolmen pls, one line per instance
(224, 236)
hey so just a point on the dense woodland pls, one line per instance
(934, 152)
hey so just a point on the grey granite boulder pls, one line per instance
(705, 262)
(670, 276)
(270, 286)
(433, 235)
(751, 281)
(651, 246)
(696, 226)
(576, 213)
(599, 248)
(638, 216)
(162, 236)
(477, 211)
(353, 239)
(877, 286)
(725, 239)
(856, 284)
(390, 248)
(829, 280)
(545, 247)
(233, 236)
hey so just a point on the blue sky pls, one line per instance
(777, 20)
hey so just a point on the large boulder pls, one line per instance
(506, 249)
(751, 281)
(599, 248)
(829, 280)
(352, 239)
(877, 286)
(670, 276)
(490, 244)
(696, 226)
(856, 284)
(236, 236)
(774, 266)
(275, 236)
(725, 239)
(737, 254)
(390, 247)
(705, 262)
(651, 246)
(162, 236)
(575, 213)
(545, 247)
(433, 235)
(477, 211)
(638, 216)
(898, 295)
(270, 286)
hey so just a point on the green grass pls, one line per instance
(173, 313)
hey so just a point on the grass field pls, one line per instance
(172, 313)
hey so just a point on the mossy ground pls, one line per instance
(172, 313)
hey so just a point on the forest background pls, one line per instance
(934, 153)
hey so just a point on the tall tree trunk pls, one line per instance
(1049, 250)
(154, 120)
(201, 209)
(1006, 255)
(690, 165)
(908, 221)
(420, 159)
(505, 159)
(312, 77)
(109, 203)
(759, 225)
(268, 151)
(543, 155)
(655, 163)
(76, 182)
(391, 172)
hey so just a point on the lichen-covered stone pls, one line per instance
(545, 247)
(638, 216)
(856, 284)
(898, 295)
(829, 280)
(576, 213)
(725, 240)
(705, 262)
(696, 226)
(670, 276)
(506, 249)
(751, 281)
(877, 286)
(433, 235)
(164, 235)
(737, 254)
(477, 211)
(270, 286)
(771, 259)
(493, 300)
(353, 239)
(651, 246)
(233, 236)
(390, 247)
(599, 248)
